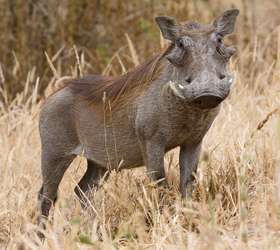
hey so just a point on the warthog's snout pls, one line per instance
(207, 101)
(202, 95)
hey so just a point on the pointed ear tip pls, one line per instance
(234, 11)
(159, 18)
(165, 19)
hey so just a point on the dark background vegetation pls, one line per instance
(31, 27)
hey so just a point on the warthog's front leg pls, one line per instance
(153, 154)
(188, 161)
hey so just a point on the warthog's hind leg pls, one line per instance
(53, 170)
(91, 179)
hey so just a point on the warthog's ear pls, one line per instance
(224, 24)
(168, 27)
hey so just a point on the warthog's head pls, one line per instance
(199, 59)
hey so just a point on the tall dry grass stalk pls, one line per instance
(235, 203)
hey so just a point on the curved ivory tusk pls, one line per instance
(173, 87)
(231, 79)
(181, 86)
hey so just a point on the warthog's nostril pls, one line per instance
(188, 80)
(222, 76)
(207, 101)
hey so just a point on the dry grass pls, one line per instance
(236, 200)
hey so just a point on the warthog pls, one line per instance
(134, 119)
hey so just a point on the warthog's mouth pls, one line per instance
(207, 101)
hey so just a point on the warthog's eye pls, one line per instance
(222, 76)
(180, 43)
(219, 38)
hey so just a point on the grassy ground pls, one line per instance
(236, 200)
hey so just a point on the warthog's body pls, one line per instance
(167, 102)
(114, 141)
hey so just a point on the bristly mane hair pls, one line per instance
(94, 88)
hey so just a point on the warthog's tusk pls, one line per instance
(231, 79)
(181, 86)
(175, 90)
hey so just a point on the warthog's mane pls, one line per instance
(120, 89)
